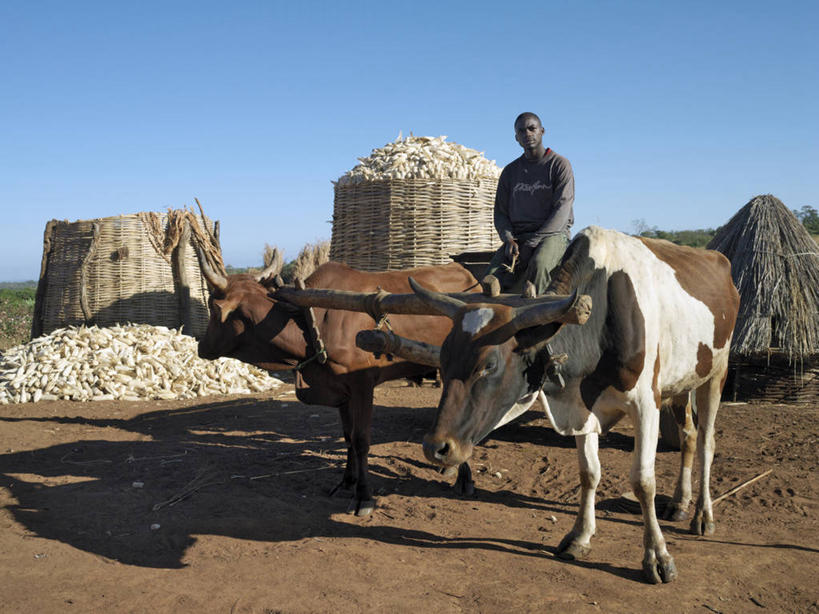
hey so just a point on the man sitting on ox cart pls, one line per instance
(533, 213)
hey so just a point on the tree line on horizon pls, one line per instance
(808, 215)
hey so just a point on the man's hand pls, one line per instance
(512, 250)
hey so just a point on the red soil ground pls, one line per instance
(220, 505)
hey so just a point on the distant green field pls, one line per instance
(18, 285)
(16, 311)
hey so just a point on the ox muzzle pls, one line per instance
(446, 450)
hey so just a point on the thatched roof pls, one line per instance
(775, 266)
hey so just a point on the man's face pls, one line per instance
(529, 133)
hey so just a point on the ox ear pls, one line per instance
(538, 336)
(272, 271)
(271, 282)
(437, 301)
(225, 307)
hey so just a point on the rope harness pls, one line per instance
(321, 356)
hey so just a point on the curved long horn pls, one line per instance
(213, 278)
(571, 309)
(273, 269)
(440, 302)
(275, 266)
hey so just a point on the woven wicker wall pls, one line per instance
(110, 270)
(774, 381)
(398, 224)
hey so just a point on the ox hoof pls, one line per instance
(700, 525)
(464, 488)
(362, 507)
(464, 485)
(675, 512)
(570, 549)
(660, 570)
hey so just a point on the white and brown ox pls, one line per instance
(247, 322)
(661, 323)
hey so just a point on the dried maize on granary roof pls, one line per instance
(414, 202)
(139, 268)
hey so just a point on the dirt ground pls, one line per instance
(220, 505)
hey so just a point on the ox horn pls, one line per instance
(274, 268)
(215, 279)
(571, 309)
(440, 302)
(271, 272)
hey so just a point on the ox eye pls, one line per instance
(489, 367)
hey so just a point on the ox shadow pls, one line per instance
(139, 489)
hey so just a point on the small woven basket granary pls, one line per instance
(139, 268)
(383, 222)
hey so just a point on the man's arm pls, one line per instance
(502, 222)
(562, 203)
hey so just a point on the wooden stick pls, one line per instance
(274, 475)
(86, 265)
(205, 223)
(42, 285)
(185, 314)
(193, 486)
(741, 486)
(88, 462)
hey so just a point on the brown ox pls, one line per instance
(661, 323)
(247, 323)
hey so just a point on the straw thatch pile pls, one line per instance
(775, 267)
(414, 202)
(311, 257)
(140, 268)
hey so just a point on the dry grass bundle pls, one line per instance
(311, 257)
(775, 267)
(206, 238)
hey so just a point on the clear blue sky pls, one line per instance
(671, 113)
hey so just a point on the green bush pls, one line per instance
(692, 238)
(16, 312)
(809, 218)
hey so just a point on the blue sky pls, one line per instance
(671, 113)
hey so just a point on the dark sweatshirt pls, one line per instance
(534, 199)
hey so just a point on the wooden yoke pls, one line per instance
(387, 342)
(411, 304)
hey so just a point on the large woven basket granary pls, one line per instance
(139, 268)
(383, 222)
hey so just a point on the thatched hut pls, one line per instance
(775, 267)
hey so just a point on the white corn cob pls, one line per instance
(421, 157)
(131, 362)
